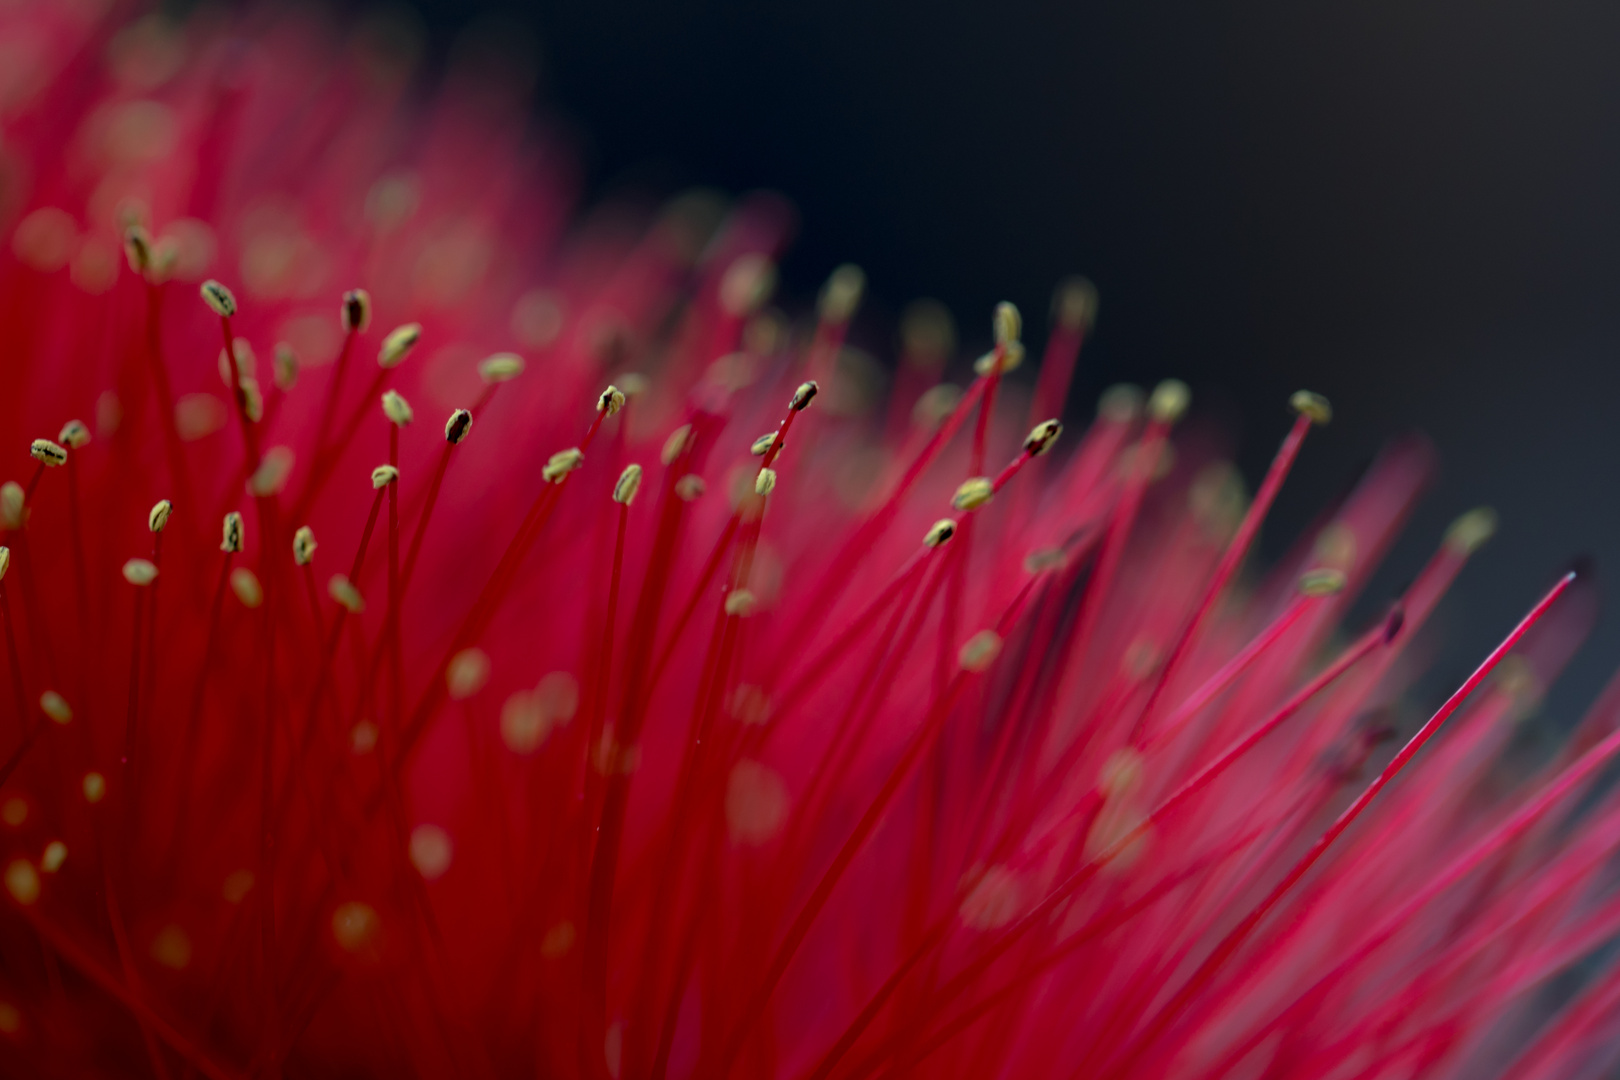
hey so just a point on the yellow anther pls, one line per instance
(1322, 581)
(679, 441)
(1042, 437)
(842, 294)
(499, 368)
(398, 344)
(1169, 401)
(55, 706)
(158, 516)
(218, 298)
(765, 482)
(232, 540)
(973, 493)
(343, 591)
(457, 427)
(804, 395)
(383, 475)
(74, 435)
(1314, 406)
(560, 464)
(763, 444)
(245, 584)
(47, 452)
(939, 532)
(356, 313)
(140, 572)
(396, 408)
(1471, 530)
(1074, 304)
(980, 651)
(304, 545)
(740, 603)
(1007, 323)
(610, 401)
(629, 483)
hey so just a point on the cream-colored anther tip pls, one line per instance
(457, 427)
(973, 493)
(158, 516)
(502, 367)
(1470, 531)
(624, 491)
(218, 298)
(140, 572)
(1007, 323)
(1169, 401)
(47, 452)
(1314, 406)
(610, 401)
(804, 395)
(1322, 581)
(356, 314)
(383, 475)
(1042, 437)
(398, 344)
(939, 532)
(304, 545)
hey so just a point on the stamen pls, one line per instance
(611, 400)
(343, 591)
(140, 572)
(628, 484)
(561, 464)
(47, 453)
(398, 345)
(304, 545)
(973, 494)
(158, 517)
(356, 311)
(383, 475)
(232, 541)
(499, 368)
(765, 482)
(397, 409)
(457, 427)
(939, 532)
(74, 435)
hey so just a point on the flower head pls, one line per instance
(624, 740)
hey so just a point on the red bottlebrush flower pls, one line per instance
(546, 663)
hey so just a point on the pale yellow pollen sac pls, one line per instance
(1042, 437)
(75, 435)
(5, 562)
(356, 314)
(1044, 560)
(22, 881)
(47, 452)
(1321, 581)
(558, 940)
(138, 249)
(756, 803)
(939, 532)
(271, 475)
(935, 405)
(398, 344)
(632, 384)
(996, 899)
(610, 401)
(356, 928)
(1140, 659)
(10, 1018)
(467, 673)
(12, 504)
(245, 584)
(140, 572)
(1121, 775)
(678, 443)
(762, 445)
(1335, 546)
(804, 395)
(1074, 304)
(52, 858)
(747, 284)
(765, 482)
(397, 409)
(55, 706)
(363, 738)
(560, 464)
(1007, 323)
(973, 493)
(529, 716)
(980, 651)
(690, 487)
(1470, 531)
(741, 603)
(232, 540)
(158, 516)
(236, 886)
(247, 361)
(14, 811)
(218, 298)
(1315, 407)
(197, 416)
(285, 366)
(94, 786)
(1516, 677)
(624, 492)
(341, 589)
(927, 334)
(842, 294)
(1169, 401)
(171, 947)
(252, 399)
(431, 851)
(750, 705)
(457, 427)
(1012, 358)
(499, 368)
(304, 545)
(383, 475)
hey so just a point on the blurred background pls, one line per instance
(1411, 208)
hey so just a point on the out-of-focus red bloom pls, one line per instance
(544, 661)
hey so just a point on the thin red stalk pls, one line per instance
(326, 462)
(250, 436)
(1161, 1020)
(165, 396)
(1231, 558)
(334, 391)
(800, 927)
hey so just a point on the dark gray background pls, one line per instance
(1408, 207)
